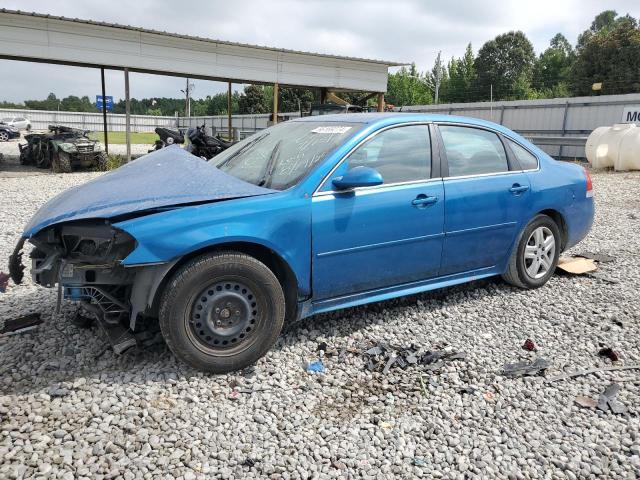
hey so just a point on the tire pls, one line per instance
(61, 162)
(222, 311)
(520, 269)
(4, 136)
(101, 162)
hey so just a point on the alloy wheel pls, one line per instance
(539, 253)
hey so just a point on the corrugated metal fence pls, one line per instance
(41, 119)
(570, 117)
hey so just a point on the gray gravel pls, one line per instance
(69, 409)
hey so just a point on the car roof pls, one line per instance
(392, 118)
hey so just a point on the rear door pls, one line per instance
(486, 196)
(383, 236)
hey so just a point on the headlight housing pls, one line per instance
(68, 147)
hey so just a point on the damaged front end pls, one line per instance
(84, 260)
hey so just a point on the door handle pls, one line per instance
(423, 200)
(517, 188)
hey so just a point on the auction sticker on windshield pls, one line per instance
(333, 129)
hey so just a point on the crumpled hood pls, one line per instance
(167, 177)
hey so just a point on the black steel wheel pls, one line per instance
(222, 311)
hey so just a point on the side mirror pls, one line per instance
(358, 177)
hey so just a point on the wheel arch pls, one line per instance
(272, 259)
(558, 218)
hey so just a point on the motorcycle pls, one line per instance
(203, 145)
(167, 137)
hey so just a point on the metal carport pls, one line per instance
(52, 39)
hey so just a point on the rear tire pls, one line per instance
(222, 311)
(535, 255)
(4, 136)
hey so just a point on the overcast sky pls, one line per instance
(398, 30)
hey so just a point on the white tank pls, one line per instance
(617, 146)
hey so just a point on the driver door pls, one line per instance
(375, 237)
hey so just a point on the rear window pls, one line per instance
(526, 159)
(473, 151)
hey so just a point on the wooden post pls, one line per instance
(104, 112)
(381, 102)
(275, 103)
(230, 136)
(127, 111)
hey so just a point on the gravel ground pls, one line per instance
(70, 409)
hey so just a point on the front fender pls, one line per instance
(280, 222)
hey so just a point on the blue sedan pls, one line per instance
(308, 216)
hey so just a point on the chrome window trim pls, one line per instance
(376, 187)
(317, 191)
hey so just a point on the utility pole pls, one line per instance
(187, 92)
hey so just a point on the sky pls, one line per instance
(399, 30)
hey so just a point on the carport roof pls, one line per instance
(57, 39)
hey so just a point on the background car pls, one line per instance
(8, 132)
(21, 123)
(311, 215)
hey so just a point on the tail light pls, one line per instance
(589, 183)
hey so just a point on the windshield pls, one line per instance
(280, 156)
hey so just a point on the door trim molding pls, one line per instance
(373, 246)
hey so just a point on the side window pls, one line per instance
(399, 154)
(526, 159)
(472, 151)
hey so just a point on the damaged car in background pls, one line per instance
(308, 216)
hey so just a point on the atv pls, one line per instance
(63, 149)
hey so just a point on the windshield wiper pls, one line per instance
(244, 148)
(271, 165)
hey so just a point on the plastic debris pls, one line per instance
(57, 391)
(419, 462)
(315, 367)
(466, 390)
(608, 400)
(586, 402)
(4, 281)
(384, 358)
(608, 352)
(21, 324)
(525, 369)
(529, 345)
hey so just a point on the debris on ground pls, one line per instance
(4, 281)
(57, 391)
(576, 265)
(383, 358)
(608, 352)
(599, 276)
(315, 367)
(529, 345)
(83, 321)
(466, 390)
(586, 402)
(593, 370)
(21, 324)
(598, 257)
(608, 400)
(526, 369)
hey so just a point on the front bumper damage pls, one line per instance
(84, 260)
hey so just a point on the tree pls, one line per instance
(552, 70)
(253, 100)
(408, 87)
(608, 53)
(294, 99)
(502, 63)
(462, 78)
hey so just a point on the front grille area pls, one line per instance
(85, 148)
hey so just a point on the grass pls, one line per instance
(146, 138)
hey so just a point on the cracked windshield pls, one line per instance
(280, 156)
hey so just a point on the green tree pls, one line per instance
(253, 100)
(408, 87)
(552, 70)
(503, 63)
(608, 53)
(462, 78)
